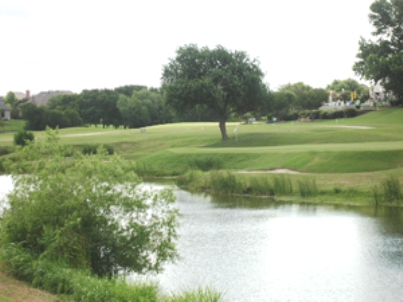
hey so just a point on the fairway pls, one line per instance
(370, 142)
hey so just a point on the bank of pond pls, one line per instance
(296, 188)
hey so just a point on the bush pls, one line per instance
(93, 149)
(350, 112)
(338, 114)
(88, 212)
(22, 136)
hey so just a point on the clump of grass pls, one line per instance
(392, 189)
(199, 295)
(308, 187)
(224, 181)
(261, 186)
(376, 194)
(189, 177)
(337, 190)
(282, 185)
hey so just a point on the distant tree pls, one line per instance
(344, 88)
(129, 89)
(35, 116)
(225, 81)
(143, 108)
(313, 98)
(11, 99)
(99, 107)
(64, 102)
(382, 59)
(283, 101)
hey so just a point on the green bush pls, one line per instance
(4, 150)
(338, 114)
(22, 136)
(93, 149)
(88, 212)
(350, 112)
(205, 163)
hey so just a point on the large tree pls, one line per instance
(225, 81)
(382, 59)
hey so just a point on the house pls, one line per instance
(5, 111)
(42, 98)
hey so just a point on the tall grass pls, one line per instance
(392, 189)
(307, 187)
(225, 182)
(80, 285)
(282, 185)
(199, 295)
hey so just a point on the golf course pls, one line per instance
(346, 160)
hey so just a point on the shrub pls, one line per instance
(88, 212)
(338, 114)
(350, 112)
(22, 136)
(93, 149)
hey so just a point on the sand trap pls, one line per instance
(82, 134)
(278, 171)
(356, 127)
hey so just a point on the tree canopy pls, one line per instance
(382, 59)
(225, 81)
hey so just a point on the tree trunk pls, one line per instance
(223, 129)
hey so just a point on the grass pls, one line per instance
(321, 148)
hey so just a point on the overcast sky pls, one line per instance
(75, 45)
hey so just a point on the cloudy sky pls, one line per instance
(85, 44)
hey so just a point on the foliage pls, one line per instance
(350, 112)
(205, 163)
(342, 89)
(99, 107)
(382, 59)
(93, 149)
(11, 99)
(22, 136)
(143, 108)
(307, 187)
(87, 211)
(128, 90)
(227, 82)
(392, 191)
(199, 295)
(38, 118)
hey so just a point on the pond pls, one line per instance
(260, 250)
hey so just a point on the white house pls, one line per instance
(5, 111)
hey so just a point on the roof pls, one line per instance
(42, 98)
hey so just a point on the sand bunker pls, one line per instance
(278, 171)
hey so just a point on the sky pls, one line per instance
(85, 44)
